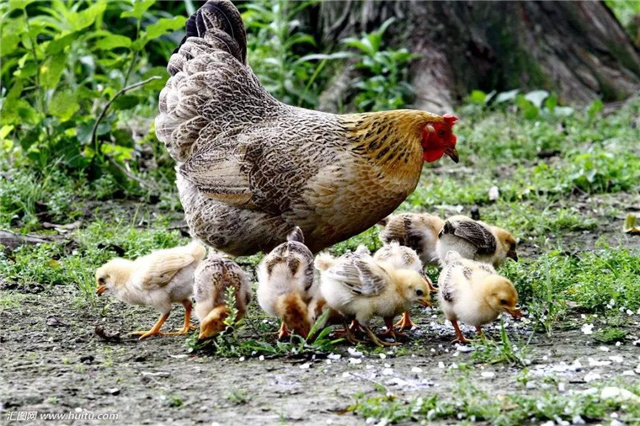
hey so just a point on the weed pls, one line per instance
(610, 335)
(487, 351)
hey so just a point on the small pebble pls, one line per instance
(355, 361)
(488, 374)
(387, 372)
(416, 370)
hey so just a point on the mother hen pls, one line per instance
(250, 168)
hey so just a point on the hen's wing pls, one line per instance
(211, 88)
(259, 167)
(473, 232)
(359, 273)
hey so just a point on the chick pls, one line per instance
(402, 257)
(286, 285)
(472, 292)
(159, 279)
(476, 240)
(357, 286)
(215, 275)
(418, 231)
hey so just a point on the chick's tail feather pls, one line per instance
(324, 261)
(294, 313)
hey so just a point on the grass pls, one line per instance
(469, 403)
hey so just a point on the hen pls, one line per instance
(250, 168)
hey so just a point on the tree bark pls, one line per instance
(576, 49)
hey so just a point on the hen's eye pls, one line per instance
(419, 292)
(442, 133)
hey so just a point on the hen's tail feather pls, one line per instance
(223, 18)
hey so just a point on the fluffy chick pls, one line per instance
(357, 286)
(472, 292)
(418, 231)
(476, 240)
(215, 275)
(158, 279)
(402, 257)
(286, 285)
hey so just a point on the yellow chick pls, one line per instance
(159, 279)
(215, 275)
(402, 257)
(476, 240)
(472, 292)
(286, 285)
(418, 231)
(357, 286)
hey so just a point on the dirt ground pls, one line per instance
(54, 362)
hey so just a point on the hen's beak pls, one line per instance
(452, 153)
(424, 302)
(512, 255)
(515, 312)
(101, 289)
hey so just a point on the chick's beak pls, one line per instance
(425, 302)
(515, 312)
(452, 153)
(512, 255)
(101, 289)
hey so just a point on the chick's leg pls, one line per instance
(460, 338)
(155, 330)
(188, 307)
(375, 338)
(405, 323)
(391, 332)
(283, 332)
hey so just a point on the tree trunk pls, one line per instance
(576, 49)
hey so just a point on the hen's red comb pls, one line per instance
(450, 119)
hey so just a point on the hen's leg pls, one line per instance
(405, 323)
(460, 338)
(155, 330)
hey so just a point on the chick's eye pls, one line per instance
(101, 280)
(442, 133)
(503, 302)
(419, 292)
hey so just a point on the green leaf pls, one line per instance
(113, 41)
(595, 108)
(551, 102)
(139, 8)
(477, 97)
(87, 17)
(529, 110)
(156, 84)
(164, 26)
(51, 71)
(63, 105)
(58, 44)
(19, 4)
(8, 43)
(125, 102)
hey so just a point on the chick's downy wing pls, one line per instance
(360, 276)
(160, 270)
(477, 234)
